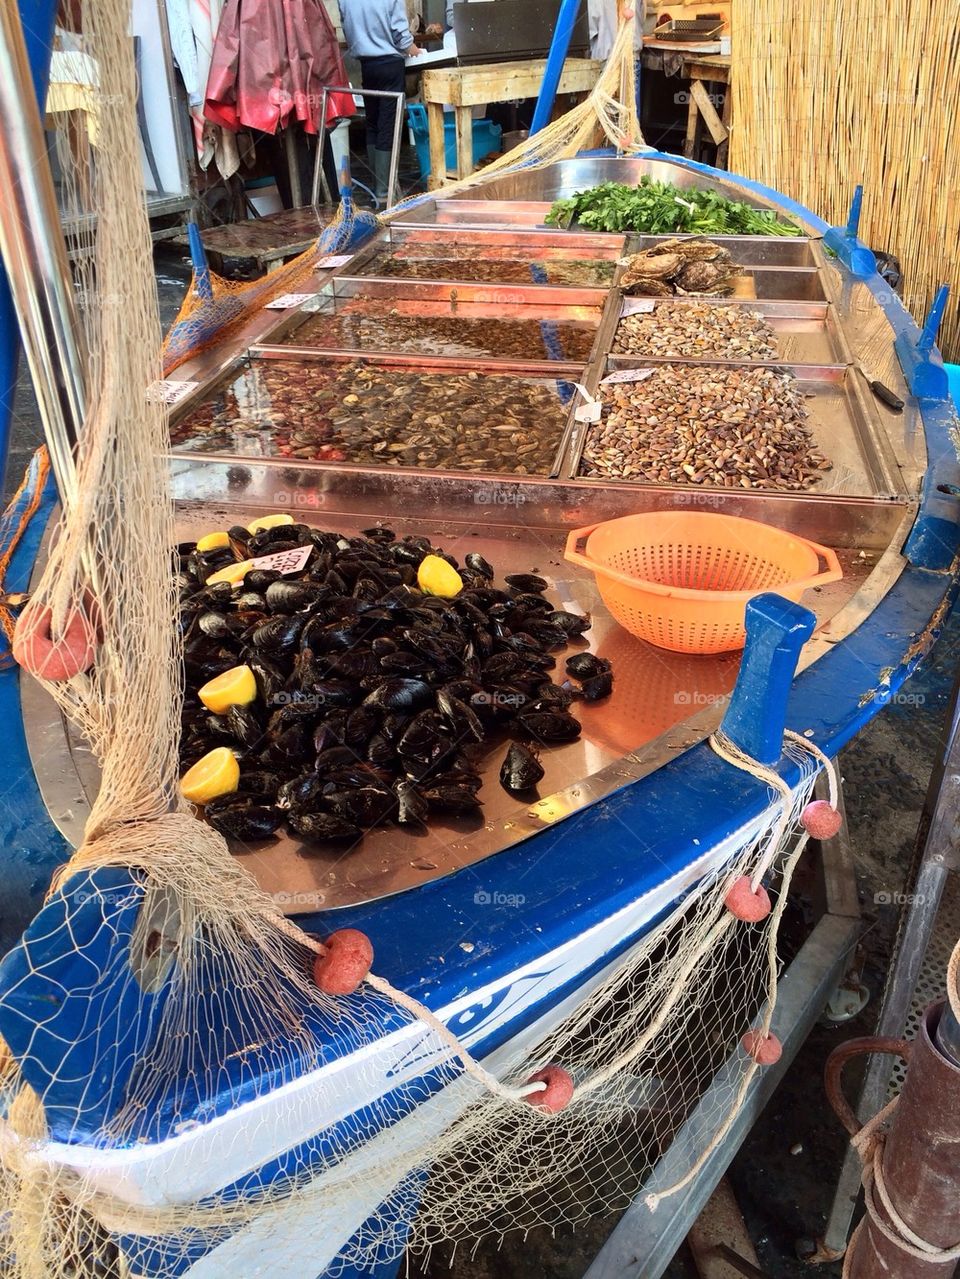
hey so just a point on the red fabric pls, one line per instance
(270, 62)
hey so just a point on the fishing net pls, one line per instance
(607, 116)
(178, 1095)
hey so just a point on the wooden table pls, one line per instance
(700, 69)
(269, 240)
(466, 87)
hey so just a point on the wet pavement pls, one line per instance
(782, 1195)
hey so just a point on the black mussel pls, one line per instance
(367, 588)
(462, 720)
(260, 782)
(397, 694)
(527, 602)
(334, 757)
(394, 726)
(217, 729)
(401, 663)
(551, 697)
(253, 601)
(216, 596)
(572, 623)
(357, 663)
(458, 773)
(301, 792)
(452, 799)
(331, 692)
(353, 776)
(288, 745)
(379, 751)
(335, 583)
(286, 596)
(381, 646)
(549, 636)
(406, 553)
(526, 582)
(239, 538)
(202, 564)
(269, 677)
(238, 817)
(279, 635)
(215, 625)
(549, 726)
(501, 666)
(379, 534)
(424, 738)
(585, 665)
(477, 564)
(412, 808)
(367, 806)
(520, 769)
(597, 686)
(361, 724)
(258, 579)
(244, 726)
(323, 826)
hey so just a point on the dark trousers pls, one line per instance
(387, 74)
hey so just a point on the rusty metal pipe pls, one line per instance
(919, 1161)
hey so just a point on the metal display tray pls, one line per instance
(748, 250)
(840, 421)
(806, 332)
(275, 411)
(347, 307)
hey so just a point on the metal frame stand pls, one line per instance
(937, 854)
(319, 177)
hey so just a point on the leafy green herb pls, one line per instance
(660, 208)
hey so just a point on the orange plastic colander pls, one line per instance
(681, 579)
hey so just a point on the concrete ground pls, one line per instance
(783, 1195)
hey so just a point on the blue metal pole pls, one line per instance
(559, 46)
(202, 284)
(37, 17)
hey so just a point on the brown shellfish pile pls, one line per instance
(696, 331)
(730, 428)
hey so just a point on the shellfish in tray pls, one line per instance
(678, 267)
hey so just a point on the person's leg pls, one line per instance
(389, 74)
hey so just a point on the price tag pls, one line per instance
(285, 562)
(591, 410)
(168, 392)
(333, 260)
(287, 300)
(637, 306)
(628, 375)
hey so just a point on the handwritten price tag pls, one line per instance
(285, 562)
(333, 260)
(287, 300)
(628, 375)
(168, 392)
(591, 410)
(637, 306)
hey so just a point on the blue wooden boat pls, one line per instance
(502, 931)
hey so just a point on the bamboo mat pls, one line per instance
(826, 96)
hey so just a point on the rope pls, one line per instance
(36, 476)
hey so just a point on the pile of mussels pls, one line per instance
(374, 699)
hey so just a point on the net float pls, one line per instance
(558, 1092)
(766, 1050)
(821, 820)
(746, 903)
(56, 660)
(345, 963)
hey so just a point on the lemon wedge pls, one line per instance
(268, 521)
(233, 573)
(218, 773)
(436, 577)
(235, 687)
(213, 542)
